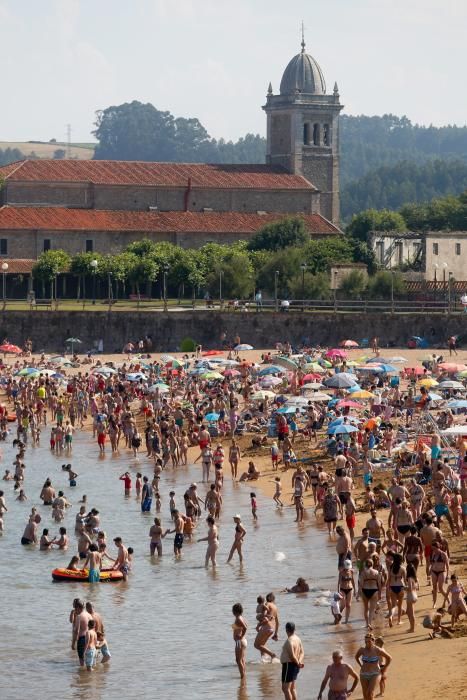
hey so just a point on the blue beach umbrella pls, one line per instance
(343, 380)
(270, 370)
(342, 429)
(212, 417)
(287, 409)
(457, 403)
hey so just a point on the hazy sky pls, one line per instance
(64, 59)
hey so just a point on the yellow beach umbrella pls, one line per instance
(362, 394)
(429, 382)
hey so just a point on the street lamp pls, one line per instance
(94, 270)
(276, 285)
(221, 272)
(4, 270)
(165, 270)
(303, 266)
(392, 291)
(109, 288)
(449, 292)
(335, 291)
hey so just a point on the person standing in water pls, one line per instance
(292, 658)
(240, 533)
(337, 674)
(212, 540)
(239, 629)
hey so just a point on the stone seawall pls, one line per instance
(48, 330)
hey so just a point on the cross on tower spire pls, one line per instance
(303, 37)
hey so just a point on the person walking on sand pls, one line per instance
(369, 659)
(337, 675)
(240, 533)
(213, 542)
(292, 660)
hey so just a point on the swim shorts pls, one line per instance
(441, 509)
(351, 521)
(337, 695)
(89, 657)
(289, 672)
(80, 646)
(105, 651)
(94, 575)
(427, 551)
(178, 541)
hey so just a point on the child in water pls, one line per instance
(278, 492)
(336, 607)
(379, 642)
(254, 506)
(239, 631)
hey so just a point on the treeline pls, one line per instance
(285, 252)
(441, 214)
(9, 155)
(390, 187)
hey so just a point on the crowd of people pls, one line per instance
(335, 425)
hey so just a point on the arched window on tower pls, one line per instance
(306, 133)
(326, 135)
(316, 134)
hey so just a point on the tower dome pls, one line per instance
(303, 74)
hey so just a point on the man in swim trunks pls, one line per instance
(121, 563)
(343, 547)
(292, 658)
(93, 560)
(80, 627)
(376, 531)
(179, 522)
(338, 674)
(428, 534)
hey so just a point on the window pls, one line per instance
(306, 133)
(398, 253)
(458, 248)
(326, 135)
(89, 246)
(316, 134)
(3, 246)
(435, 249)
(46, 244)
(380, 252)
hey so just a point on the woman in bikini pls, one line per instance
(369, 659)
(397, 585)
(346, 586)
(265, 630)
(457, 592)
(403, 520)
(240, 533)
(371, 590)
(212, 540)
(234, 458)
(439, 569)
(239, 631)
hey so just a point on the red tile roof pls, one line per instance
(60, 219)
(114, 172)
(18, 266)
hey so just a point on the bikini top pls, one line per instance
(370, 659)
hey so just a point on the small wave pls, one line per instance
(279, 556)
(322, 602)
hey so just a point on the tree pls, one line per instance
(353, 285)
(380, 285)
(373, 220)
(290, 231)
(49, 265)
(321, 254)
(80, 266)
(238, 277)
(142, 271)
(59, 154)
(315, 287)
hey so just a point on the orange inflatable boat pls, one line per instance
(72, 575)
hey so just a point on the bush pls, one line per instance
(188, 345)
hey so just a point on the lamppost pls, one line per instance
(335, 291)
(435, 268)
(445, 295)
(55, 288)
(93, 264)
(221, 272)
(392, 291)
(4, 270)
(303, 266)
(109, 288)
(165, 270)
(276, 285)
(449, 292)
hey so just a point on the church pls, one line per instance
(102, 206)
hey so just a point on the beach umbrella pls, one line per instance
(198, 371)
(312, 386)
(273, 369)
(384, 369)
(448, 384)
(345, 403)
(343, 380)
(463, 374)
(285, 362)
(232, 373)
(354, 388)
(297, 401)
(336, 352)
(320, 397)
(433, 397)
(342, 429)
(348, 344)
(262, 394)
(211, 353)
(361, 394)
(27, 372)
(167, 358)
(287, 409)
(325, 363)
(428, 382)
(14, 349)
(314, 367)
(160, 387)
(344, 419)
(135, 376)
(450, 367)
(73, 341)
(243, 347)
(371, 423)
(223, 361)
(457, 403)
(212, 417)
(397, 360)
(418, 371)
(212, 375)
(455, 430)
(105, 371)
(174, 364)
(270, 381)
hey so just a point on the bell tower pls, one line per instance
(303, 129)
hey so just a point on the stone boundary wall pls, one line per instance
(48, 330)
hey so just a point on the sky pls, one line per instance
(213, 59)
